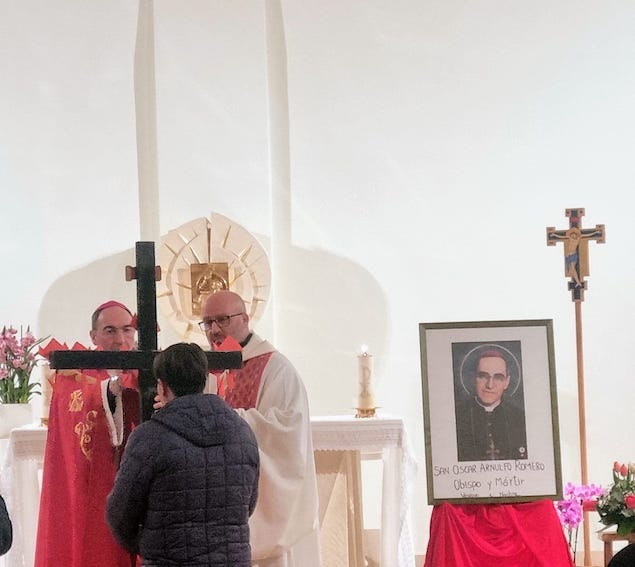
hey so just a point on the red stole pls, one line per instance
(243, 384)
(79, 472)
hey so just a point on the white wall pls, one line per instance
(431, 143)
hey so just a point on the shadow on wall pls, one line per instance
(330, 308)
(70, 301)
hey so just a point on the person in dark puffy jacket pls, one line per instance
(188, 479)
(625, 557)
(6, 529)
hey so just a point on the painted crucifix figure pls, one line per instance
(576, 249)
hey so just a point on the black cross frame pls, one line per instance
(146, 273)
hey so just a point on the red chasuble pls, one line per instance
(497, 535)
(79, 471)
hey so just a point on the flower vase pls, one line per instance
(13, 416)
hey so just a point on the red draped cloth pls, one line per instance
(80, 464)
(497, 535)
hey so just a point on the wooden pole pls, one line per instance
(576, 253)
(582, 425)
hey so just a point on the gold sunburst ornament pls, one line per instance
(203, 256)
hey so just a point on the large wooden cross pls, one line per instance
(146, 273)
(576, 259)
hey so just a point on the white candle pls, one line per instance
(366, 394)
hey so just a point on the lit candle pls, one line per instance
(366, 394)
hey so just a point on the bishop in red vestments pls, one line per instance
(87, 419)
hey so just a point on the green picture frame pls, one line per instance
(490, 411)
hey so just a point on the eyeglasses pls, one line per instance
(221, 321)
(111, 331)
(486, 376)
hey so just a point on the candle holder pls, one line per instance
(365, 412)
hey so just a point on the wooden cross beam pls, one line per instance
(146, 273)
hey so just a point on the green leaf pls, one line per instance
(626, 526)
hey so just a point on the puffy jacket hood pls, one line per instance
(193, 417)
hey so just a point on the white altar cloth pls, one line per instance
(377, 436)
(387, 437)
(20, 486)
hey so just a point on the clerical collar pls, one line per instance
(247, 339)
(487, 408)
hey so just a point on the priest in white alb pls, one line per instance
(269, 394)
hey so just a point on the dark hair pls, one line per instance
(183, 367)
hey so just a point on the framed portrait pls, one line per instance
(490, 411)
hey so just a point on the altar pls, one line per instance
(345, 439)
(383, 438)
(20, 478)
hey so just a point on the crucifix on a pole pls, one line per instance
(576, 259)
(576, 249)
(146, 273)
